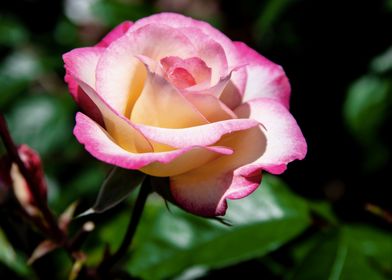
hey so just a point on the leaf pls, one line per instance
(116, 187)
(324, 210)
(167, 244)
(367, 105)
(11, 258)
(352, 252)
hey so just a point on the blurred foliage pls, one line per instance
(275, 232)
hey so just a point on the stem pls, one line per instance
(145, 190)
(12, 150)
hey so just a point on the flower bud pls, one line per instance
(33, 164)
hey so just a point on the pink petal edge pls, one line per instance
(116, 33)
(285, 141)
(265, 79)
(99, 144)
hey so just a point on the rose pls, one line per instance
(173, 97)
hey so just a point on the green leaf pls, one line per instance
(324, 210)
(169, 243)
(11, 258)
(115, 189)
(367, 105)
(352, 252)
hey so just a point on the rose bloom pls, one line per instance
(174, 97)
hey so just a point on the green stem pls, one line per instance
(145, 190)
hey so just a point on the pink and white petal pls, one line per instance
(265, 79)
(194, 65)
(210, 107)
(232, 94)
(186, 160)
(180, 22)
(102, 146)
(203, 135)
(161, 105)
(209, 51)
(121, 76)
(116, 33)
(119, 127)
(203, 191)
(81, 63)
(285, 141)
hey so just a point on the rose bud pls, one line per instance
(21, 189)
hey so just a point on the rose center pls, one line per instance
(184, 73)
(181, 78)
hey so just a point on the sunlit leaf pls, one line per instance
(168, 243)
(383, 62)
(116, 187)
(352, 252)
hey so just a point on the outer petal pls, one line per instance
(203, 135)
(238, 175)
(285, 141)
(181, 22)
(120, 128)
(161, 105)
(204, 191)
(81, 63)
(265, 79)
(116, 33)
(121, 76)
(99, 143)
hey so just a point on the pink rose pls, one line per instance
(174, 97)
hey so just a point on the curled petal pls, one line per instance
(81, 64)
(220, 181)
(285, 141)
(99, 143)
(265, 79)
(120, 128)
(203, 135)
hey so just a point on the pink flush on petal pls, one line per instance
(184, 73)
